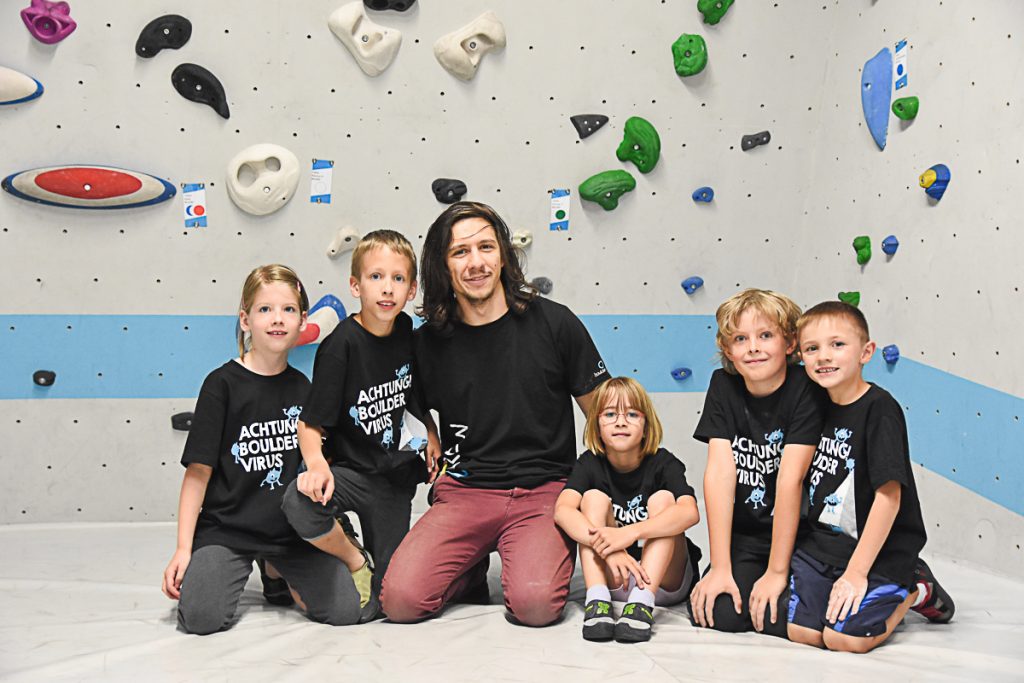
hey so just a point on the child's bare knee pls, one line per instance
(837, 642)
(659, 501)
(595, 506)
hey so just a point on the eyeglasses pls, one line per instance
(608, 417)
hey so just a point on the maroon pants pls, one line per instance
(435, 561)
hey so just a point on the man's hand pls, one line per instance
(433, 455)
(707, 590)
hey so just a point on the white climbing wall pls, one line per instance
(783, 217)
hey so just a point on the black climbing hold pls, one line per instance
(195, 83)
(542, 284)
(44, 378)
(170, 31)
(397, 5)
(182, 421)
(756, 140)
(448, 190)
(588, 124)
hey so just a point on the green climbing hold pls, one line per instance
(606, 188)
(863, 246)
(906, 108)
(640, 144)
(713, 10)
(690, 54)
(852, 298)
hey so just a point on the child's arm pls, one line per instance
(719, 497)
(850, 588)
(796, 459)
(669, 522)
(317, 482)
(193, 491)
(576, 526)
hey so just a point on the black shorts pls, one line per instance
(811, 584)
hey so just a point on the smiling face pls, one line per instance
(621, 428)
(758, 350)
(474, 262)
(384, 286)
(274, 320)
(834, 350)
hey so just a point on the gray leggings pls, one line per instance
(216, 575)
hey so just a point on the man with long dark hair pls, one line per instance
(500, 366)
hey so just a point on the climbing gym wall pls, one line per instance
(130, 307)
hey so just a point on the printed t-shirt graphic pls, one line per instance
(245, 428)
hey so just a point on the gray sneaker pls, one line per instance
(598, 621)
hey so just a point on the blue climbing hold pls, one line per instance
(935, 180)
(681, 373)
(329, 300)
(890, 244)
(876, 94)
(703, 194)
(891, 354)
(692, 284)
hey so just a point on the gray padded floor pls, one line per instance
(82, 602)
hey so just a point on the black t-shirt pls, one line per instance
(361, 389)
(245, 429)
(503, 391)
(863, 446)
(758, 428)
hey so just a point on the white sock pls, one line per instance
(598, 592)
(641, 595)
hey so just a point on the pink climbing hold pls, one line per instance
(49, 22)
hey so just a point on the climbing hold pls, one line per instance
(44, 378)
(382, 5)
(16, 87)
(372, 46)
(753, 140)
(607, 187)
(863, 246)
(170, 31)
(713, 10)
(689, 54)
(876, 93)
(640, 144)
(852, 298)
(460, 51)
(891, 354)
(692, 284)
(48, 22)
(588, 124)
(88, 187)
(542, 284)
(522, 238)
(935, 180)
(195, 83)
(346, 240)
(681, 373)
(262, 178)
(906, 108)
(182, 422)
(323, 318)
(448, 190)
(703, 194)
(890, 244)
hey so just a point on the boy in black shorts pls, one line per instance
(857, 572)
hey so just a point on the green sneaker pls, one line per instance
(363, 578)
(634, 626)
(598, 621)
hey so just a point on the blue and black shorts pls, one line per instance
(811, 584)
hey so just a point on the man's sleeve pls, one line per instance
(585, 369)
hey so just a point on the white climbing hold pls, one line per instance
(345, 241)
(460, 51)
(373, 46)
(262, 178)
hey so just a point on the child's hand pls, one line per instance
(765, 594)
(317, 483)
(175, 572)
(847, 593)
(621, 564)
(707, 590)
(607, 539)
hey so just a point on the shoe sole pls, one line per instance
(600, 631)
(628, 634)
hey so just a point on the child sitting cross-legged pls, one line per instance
(626, 490)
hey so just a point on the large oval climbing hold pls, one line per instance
(16, 87)
(88, 187)
(607, 187)
(876, 94)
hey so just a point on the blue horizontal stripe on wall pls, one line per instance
(964, 431)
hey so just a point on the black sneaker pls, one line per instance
(275, 591)
(634, 626)
(598, 621)
(936, 606)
